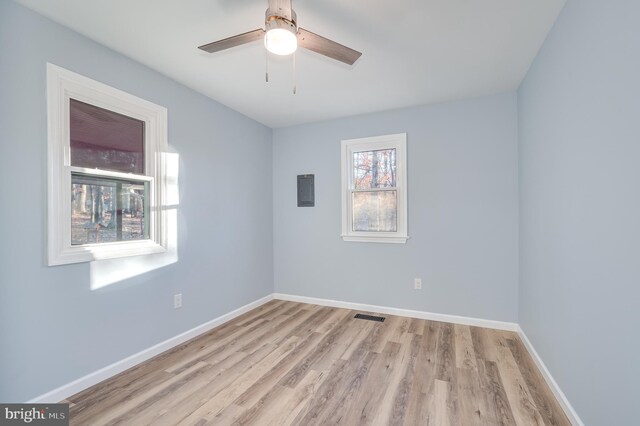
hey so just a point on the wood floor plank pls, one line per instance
(184, 408)
(320, 317)
(419, 408)
(522, 404)
(361, 358)
(276, 307)
(465, 354)
(353, 342)
(108, 396)
(269, 380)
(288, 363)
(299, 398)
(335, 316)
(328, 342)
(474, 408)
(366, 404)
(375, 334)
(186, 360)
(495, 393)
(257, 337)
(325, 392)
(400, 330)
(225, 397)
(385, 332)
(484, 344)
(181, 397)
(348, 340)
(282, 404)
(403, 391)
(547, 405)
(386, 405)
(446, 354)
(229, 415)
(335, 410)
(279, 332)
(440, 408)
(141, 400)
(267, 408)
(416, 326)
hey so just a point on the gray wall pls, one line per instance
(579, 115)
(53, 327)
(463, 212)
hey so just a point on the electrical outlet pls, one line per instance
(417, 283)
(177, 301)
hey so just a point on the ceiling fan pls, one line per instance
(282, 36)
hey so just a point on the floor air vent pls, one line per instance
(369, 317)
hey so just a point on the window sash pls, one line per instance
(375, 213)
(93, 178)
(391, 167)
(102, 138)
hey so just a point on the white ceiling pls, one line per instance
(414, 51)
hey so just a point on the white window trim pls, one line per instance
(63, 85)
(348, 147)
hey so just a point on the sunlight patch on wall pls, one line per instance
(106, 272)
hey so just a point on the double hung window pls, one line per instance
(105, 171)
(374, 186)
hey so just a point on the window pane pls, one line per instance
(105, 210)
(374, 169)
(105, 140)
(375, 211)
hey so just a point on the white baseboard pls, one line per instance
(455, 319)
(98, 376)
(560, 396)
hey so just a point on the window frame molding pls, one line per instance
(397, 141)
(63, 85)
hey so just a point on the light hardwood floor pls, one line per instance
(291, 363)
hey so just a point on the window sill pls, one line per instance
(375, 239)
(89, 252)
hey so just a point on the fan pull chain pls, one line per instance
(266, 63)
(294, 54)
(294, 73)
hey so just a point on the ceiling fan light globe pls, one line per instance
(280, 41)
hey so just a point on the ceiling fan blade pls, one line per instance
(327, 47)
(234, 41)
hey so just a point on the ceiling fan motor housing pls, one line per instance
(276, 19)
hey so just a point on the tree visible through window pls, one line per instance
(374, 199)
(106, 210)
